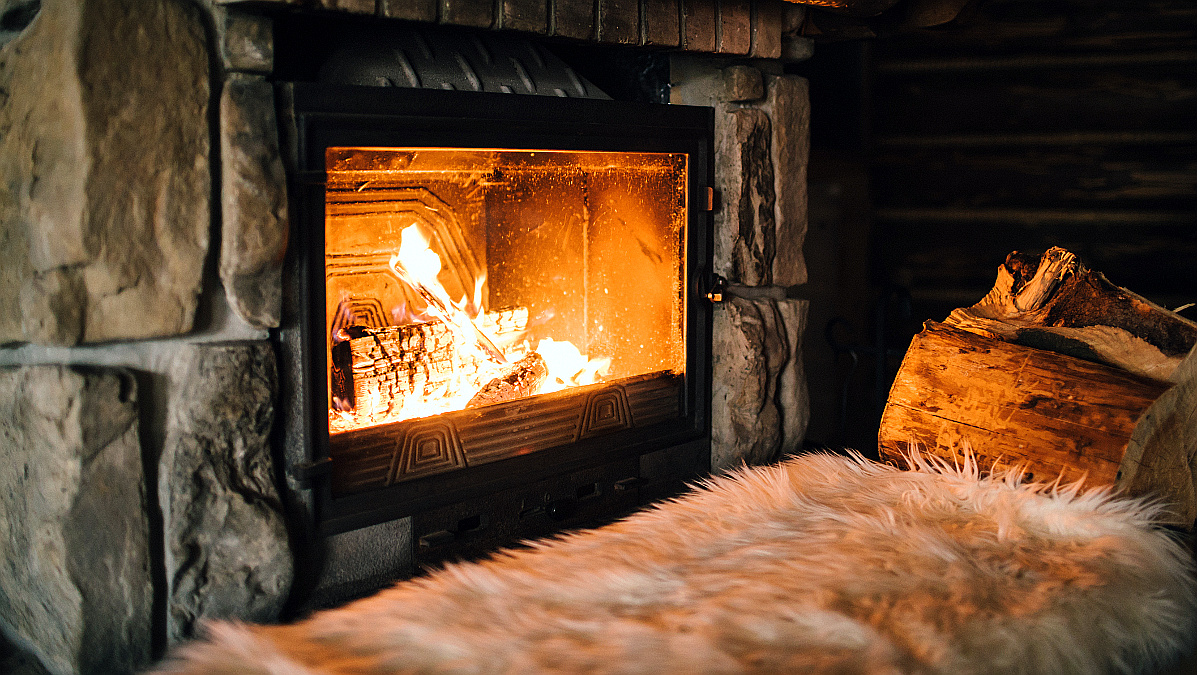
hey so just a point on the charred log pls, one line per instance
(390, 364)
(522, 379)
(376, 369)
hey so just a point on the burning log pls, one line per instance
(522, 379)
(418, 266)
(378, 369)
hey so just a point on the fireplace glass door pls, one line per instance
(486, 303)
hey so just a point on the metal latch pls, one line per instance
(304, 472)
(717, 292)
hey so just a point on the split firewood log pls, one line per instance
(375, 369)
(1013, 405)
(1160, 460)
(1057, 304)
(1061, 372)
(522, 379)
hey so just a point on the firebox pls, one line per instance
(496, 291)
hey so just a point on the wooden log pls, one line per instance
(1160, 460)
(522, 379)
(1057, 304)
(1013, 406)
(1062, 371)
(387, 365)
(377, 369)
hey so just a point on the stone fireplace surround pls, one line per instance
(144, 224)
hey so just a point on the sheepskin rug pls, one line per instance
(821, 564)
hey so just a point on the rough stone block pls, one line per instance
(411, 10)
(744, 222)
(226, 544)
(695, 80)
(104, 167)
(794, 49)
(742, 83)
(75, 580)
(52, 306)
(253, 201)
(793, 384)
(15, 267)
(792, 17)
(247, 41)
(787, 104)
(734, 27)
(744, 216)
(750, 350)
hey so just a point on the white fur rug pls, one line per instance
(821, 564)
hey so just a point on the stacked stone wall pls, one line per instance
(760, 397)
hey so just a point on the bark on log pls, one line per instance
(1059, 305)
(1013, 405)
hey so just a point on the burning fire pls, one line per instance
(568, 367)
(417, 265)
(450, 362)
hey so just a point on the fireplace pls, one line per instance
(569, 280)
(496, 298)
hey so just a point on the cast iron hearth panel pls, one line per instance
(650, 403)
(380, 456)
(607, 410)
(528, 429)
(427, 447)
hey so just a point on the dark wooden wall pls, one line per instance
(1037, 123)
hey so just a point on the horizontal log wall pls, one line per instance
(1033, 124)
